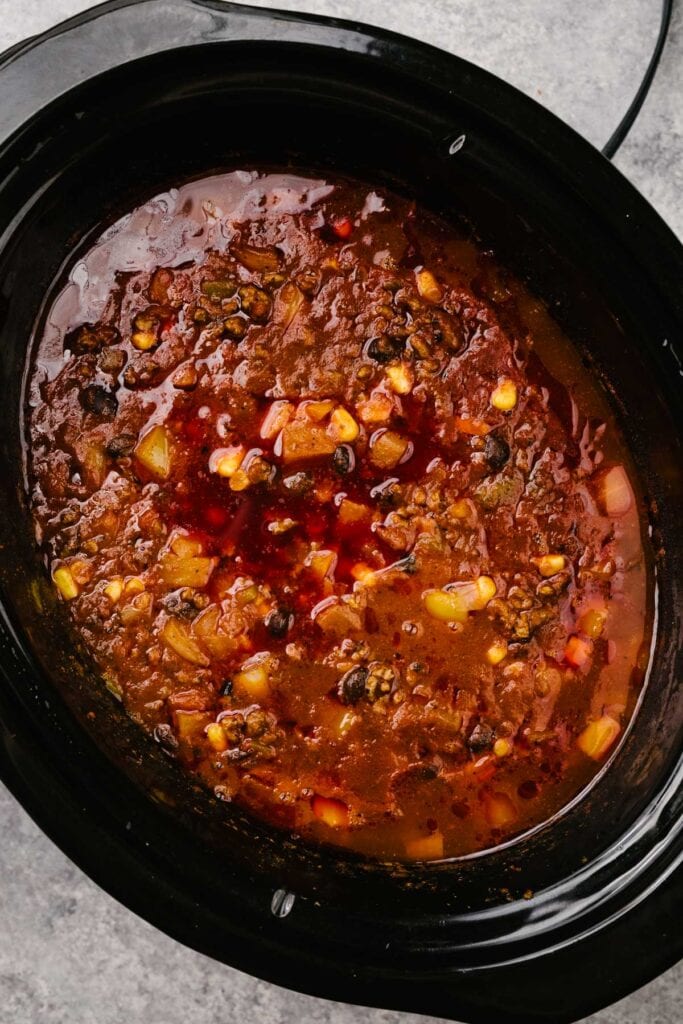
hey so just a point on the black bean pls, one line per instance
(408, 565)
(121, 445)
(99, 401)
(496, 451)
(90, 338)
(447, 331)
(385, 348)
(176, 605)
(351, 686)
(165, 737)
(528, 789)
(460, 808)
(278, 622)
(481, 738)
(343, 459)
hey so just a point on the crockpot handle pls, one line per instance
(626, 123)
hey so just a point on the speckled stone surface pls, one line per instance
(69, 954)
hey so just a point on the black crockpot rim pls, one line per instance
(570, 152)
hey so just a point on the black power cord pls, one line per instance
(626, 123)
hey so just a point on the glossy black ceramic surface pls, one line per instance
(132, 98)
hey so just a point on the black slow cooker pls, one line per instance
(134, 97)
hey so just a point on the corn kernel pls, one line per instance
(615, 494)
(592, 622)
(425, 847)
(246, 595)
(548, 565)
(216, 737)
(254, 680)
(598, 737)
(502, 747)
(428, 286)
(400, 378)
(226, 461)
(65, 583)
(496, 652)
(133, 585)
(445, 605)
(239, 481)
(504, 397)
(144, 340)
(114, 589)
(486, 589)
(343, 427)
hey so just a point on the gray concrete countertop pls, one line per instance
(70, 953)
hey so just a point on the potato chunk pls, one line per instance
(339, 619)
(153, 451)
(303, 440)
(186, 572)
(387, 449)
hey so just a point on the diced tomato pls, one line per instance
(578, 651)
(195, 430)
(331, 812)
(476, 428)
(342, 227)
(484, 768)
(215, 516)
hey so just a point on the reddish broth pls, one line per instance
(339, 513)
